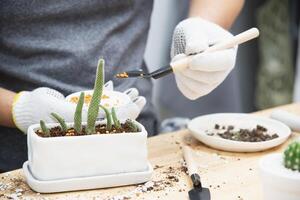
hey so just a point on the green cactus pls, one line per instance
(115, 119)
(44, 128)
(78, 113)
(292, 156)
(61, 121)
(95, 101)
(132, 125)
(108, 118)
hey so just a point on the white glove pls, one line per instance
(132, 110)
(129, 111)
(207, 70)
(31, 107)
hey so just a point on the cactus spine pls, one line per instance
(115, 119)
(61, 121)
(292, 156)
(44, 128)
(95, 101)
(78, 113)
(108, 118)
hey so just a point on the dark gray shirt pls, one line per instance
(57, 44)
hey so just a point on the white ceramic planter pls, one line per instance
(85, 156)
(279, 183)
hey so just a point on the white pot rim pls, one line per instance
(272, 164)
(53, 158)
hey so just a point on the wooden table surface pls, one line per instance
(228, 175)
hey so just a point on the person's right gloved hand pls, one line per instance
(205, 71)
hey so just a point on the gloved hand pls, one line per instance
(31, 107)
(132, 110)
(207, 70)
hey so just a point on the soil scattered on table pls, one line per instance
(258, 134)
(168, 179)
(100, 129)
(12, 188)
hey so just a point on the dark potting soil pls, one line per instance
(100, 129)
(258, 134)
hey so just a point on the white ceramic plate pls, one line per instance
(199, 126)
(86, 183)
(113, 98)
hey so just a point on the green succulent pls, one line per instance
(44, 128)
(292, 156)
(108, 118)
(132, 125)
(78, 113)
(95, 101)
(61, 121)
(93, 109)
(115, 119)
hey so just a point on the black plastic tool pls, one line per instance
(141, 74)
(183, 63)
(198, 192)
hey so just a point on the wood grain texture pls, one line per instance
(228, 175)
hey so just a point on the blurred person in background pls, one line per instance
(56, 45)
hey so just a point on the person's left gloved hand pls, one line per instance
(206, 70)
(30, 107)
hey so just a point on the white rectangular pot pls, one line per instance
(278, 182)
(57, 158)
